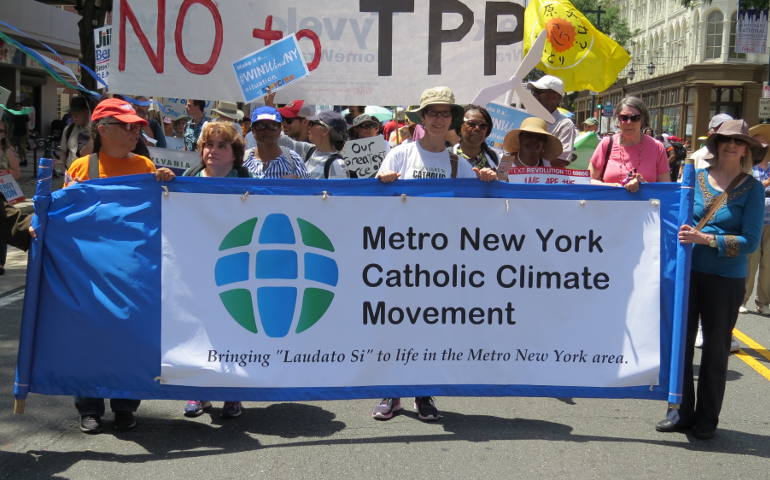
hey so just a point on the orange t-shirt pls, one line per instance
(109, 167)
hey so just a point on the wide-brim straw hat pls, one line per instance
(226, 109)
(739, 130)
(439, 96)
(762, 129)
(537, 125)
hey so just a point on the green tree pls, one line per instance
(611, 24)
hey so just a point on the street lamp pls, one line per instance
(631, 73)
(650, 68)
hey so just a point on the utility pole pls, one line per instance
(93, 13)
(599, 10)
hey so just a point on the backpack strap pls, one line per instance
(453, 162)
(607, 152)
(329, 162)
(93, 166)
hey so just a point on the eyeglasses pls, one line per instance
(129, 127)
(367, 125)
(289, 121)
(438, 113)
(737, 141)
(629, 118)
(318, 123)
(472, 124)
(272, 126)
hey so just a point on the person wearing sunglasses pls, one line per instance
(728, 213)
(269, 159)
(328, 132)
(473, 132)
(364, 126)
(294, 120)
(629, 158)
(115, 131)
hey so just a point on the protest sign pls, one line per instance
(175, 159)
(270, 69)
(102, 43)
(369, 291)
(174, 143)
(360, 52)
(548, 176)
(504, 119)
(364, 156)
(10, 188)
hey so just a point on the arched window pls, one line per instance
(731, 53)
(714, 35)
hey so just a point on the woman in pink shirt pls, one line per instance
(629, 158)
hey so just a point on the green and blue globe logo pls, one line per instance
(264, 274)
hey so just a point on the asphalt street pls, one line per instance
(476, 438)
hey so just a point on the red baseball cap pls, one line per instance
(120, 109)
(295, 109)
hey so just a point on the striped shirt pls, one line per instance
(278, 167)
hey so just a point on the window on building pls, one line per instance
(714, 35)
(731, 53)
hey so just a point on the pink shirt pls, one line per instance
(648, 158)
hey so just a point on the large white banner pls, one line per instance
(286, 291)
(360, 52)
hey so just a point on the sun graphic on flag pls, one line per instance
(569, 36)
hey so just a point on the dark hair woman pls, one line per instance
(474, 130)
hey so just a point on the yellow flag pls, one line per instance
(582, 56)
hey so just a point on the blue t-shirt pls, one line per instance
(737, 226)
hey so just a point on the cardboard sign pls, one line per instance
(548, 176)
(270, 69)
(504, 119)
(176, 160)
(364, 156)
(10, 188)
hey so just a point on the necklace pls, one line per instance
(628, 165)
(518, 160)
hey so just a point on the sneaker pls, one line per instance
(763, 309)
(386, 408)
(426, 409)
(699, 337)
(734, 345)
(124, 421)
(90, 424)
(743, 309)
(231, 410)
(194, 408)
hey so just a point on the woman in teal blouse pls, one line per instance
(719, 268)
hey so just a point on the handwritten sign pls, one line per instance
(548, 176)
(10, 189)
(504, 119)
(176, 160)
(270, 68)
(364, 156)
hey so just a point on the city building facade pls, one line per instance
(684, 66)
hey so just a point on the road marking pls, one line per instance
(12, 297)
(750, 360)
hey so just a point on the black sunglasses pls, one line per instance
(629, 118)
(272, 126)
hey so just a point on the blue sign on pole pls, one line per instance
(504, 119)
(270, 69)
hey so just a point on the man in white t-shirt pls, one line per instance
(549, 90)
(428, 157)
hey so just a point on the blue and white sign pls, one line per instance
(270, 69)
(102, 48)
(504, 119)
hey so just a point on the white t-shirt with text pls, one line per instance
(412, 161)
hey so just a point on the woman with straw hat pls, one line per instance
(530, 145)
(760, 259)
(729, 206)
